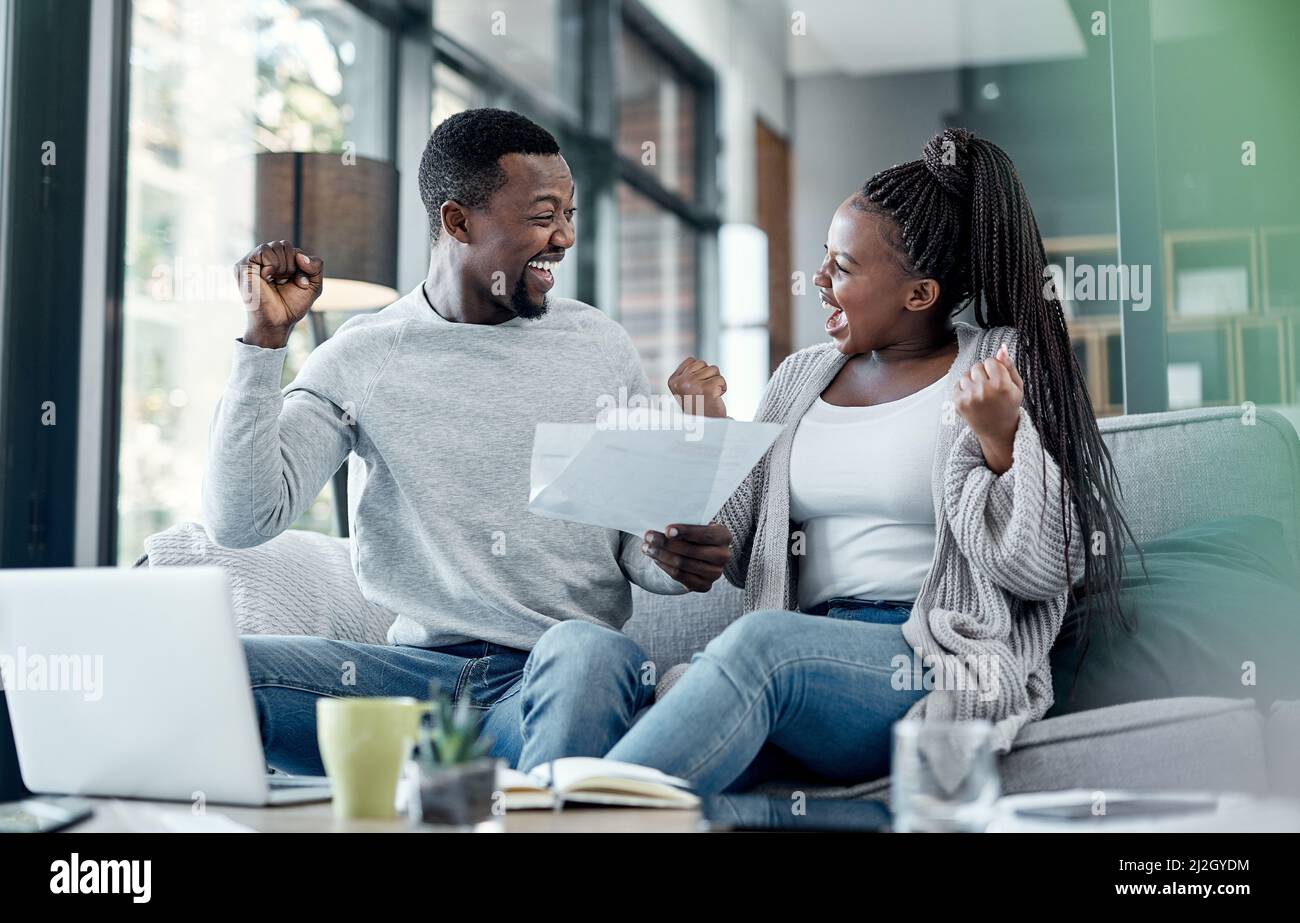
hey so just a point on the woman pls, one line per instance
(908, 545)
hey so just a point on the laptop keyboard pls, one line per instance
(281, 781)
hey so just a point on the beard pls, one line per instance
(520, 304)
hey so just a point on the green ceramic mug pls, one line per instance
(363, 743)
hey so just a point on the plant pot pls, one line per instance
(457, 796)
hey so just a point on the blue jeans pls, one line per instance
(575, 694)
(783, 694)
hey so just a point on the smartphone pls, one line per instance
(1127, 808)
(752, 811)
(42, 815)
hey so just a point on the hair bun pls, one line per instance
(947, 157)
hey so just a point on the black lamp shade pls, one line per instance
(344, 211)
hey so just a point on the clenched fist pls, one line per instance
(988, 398)
(278, 283)
(703, 384)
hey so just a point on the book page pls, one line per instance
(573, 770)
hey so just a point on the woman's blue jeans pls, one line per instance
(783, 694)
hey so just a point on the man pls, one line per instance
(438, 394)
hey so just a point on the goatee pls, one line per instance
(520, 304)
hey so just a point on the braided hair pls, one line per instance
(960, 216)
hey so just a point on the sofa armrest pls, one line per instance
(1282, 732)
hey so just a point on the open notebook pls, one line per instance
(590, 780)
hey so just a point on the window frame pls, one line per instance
(1143, 345)
(702, 215)
(47, 87)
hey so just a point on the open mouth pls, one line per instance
(543, 272)
(837, 321)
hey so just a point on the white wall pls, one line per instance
(844, 129)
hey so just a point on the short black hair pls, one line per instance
(460, 162)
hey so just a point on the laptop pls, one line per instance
(132, 683)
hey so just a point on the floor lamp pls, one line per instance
(342, 208)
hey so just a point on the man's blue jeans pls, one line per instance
(786, 693)
(575, 694)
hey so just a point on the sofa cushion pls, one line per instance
(1221, 594)
(298, 583)
(1182, 467)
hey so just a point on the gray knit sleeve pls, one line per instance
(1010, 527)
(740, 513)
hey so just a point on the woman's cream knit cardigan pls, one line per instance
(991, 605)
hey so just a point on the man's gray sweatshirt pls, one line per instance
(440, 417)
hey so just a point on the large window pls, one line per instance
(656, 115)
(1228, 200)
(535, 44)
(662, 147)
(657, 304)
(211, 86)
(453, 92)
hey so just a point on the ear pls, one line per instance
(455, 221)
(922, 295)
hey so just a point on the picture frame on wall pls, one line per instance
(1073, 256)
(1280, 269)
(1261, 361)
(1210, 347)
(1211, 273)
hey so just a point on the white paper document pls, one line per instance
(642, 470)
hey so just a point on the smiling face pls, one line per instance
(874, 302)
(522, 232)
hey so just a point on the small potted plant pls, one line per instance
(451, 777)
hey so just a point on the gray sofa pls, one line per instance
(1176, 468)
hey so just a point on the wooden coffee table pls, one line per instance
(120, 815)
